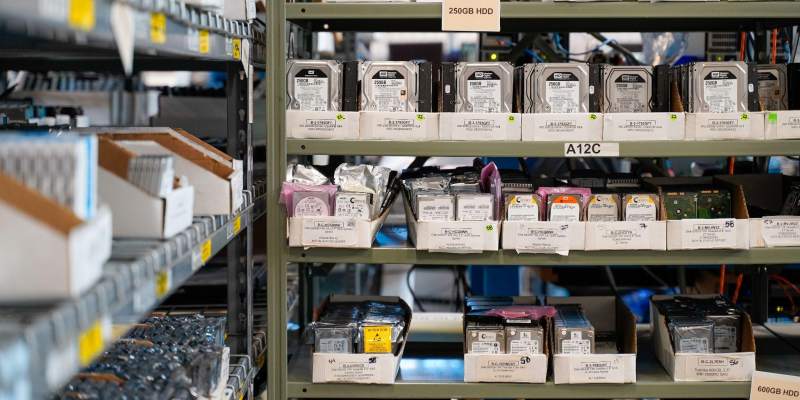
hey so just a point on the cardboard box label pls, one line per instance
(785, 123)
(708, 233)
(480, 128)
(347, 370)
(591, 149)
(471, 15)
(642, 126)
(377, 339)
(324, 127)
(769, 386)
(621, 235)
(723, 125)
(390, 127)
(597, 368)
(563, 126)
(781, 231)
(543, 237)
(464, 238)
(717, 367)
(329, 232)
(505, 367)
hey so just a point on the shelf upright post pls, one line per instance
(277, 256)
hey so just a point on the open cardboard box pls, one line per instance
(364, 368)
(626, 235)
(703, 367)
(452, 236)
(216, 177)
(322, 124)
(411, 126)
(49, 253)
(722, 126)
(718, 233)
(644, 126)
(337, 232)
(138, 214)
(782, 125)
(607, 314)
(560, 127)
(544, 237)
(480, 126)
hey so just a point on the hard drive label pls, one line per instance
(719, 91)
(311, 90)
(390, 90)
(631, 93)
(484, 92)
(563, 92)
(769, 91)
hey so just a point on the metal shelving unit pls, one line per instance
(422, 376)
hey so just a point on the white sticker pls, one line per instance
(621, 235)
(474, 208)
(389, 94)
(640, 208)
(781, 231)
(564, 212)
(599, 369)
(572, 346)
(329, 232)
(591, 149)
(485, 348)
(543, 237)
(563, 96)
(485, 95)
(347, 370)
(524, 346)
(770, 386)
(719, 92)
(399, 127)
(311, 93)
(725, 339)
(522, 207)
(435, 208)
(333, 345)
(724, 125)
(720, 367)
(311, 206)
(693, 345)
(459, 238)
(708, 233)
(354, 205)
(630, 94)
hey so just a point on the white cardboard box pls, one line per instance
(544, 237)
(137, 214)
(722, 126)
(777, 231)
(336, 232)
(782, 125)
(644, 126)
(703, 367)
(452, 236)
(511, 368)
(626, 235)
(561, 127)
(607, 314)
(409, 126)
(322, 124)
(480, 126)
(48, 253)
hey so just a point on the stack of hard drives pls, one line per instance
(153, 173)
(505, 325)
(572, 331)
(702, 325)
(716, 87)
(559, 88)
(449, 196)
(691, 202)
(355, 326)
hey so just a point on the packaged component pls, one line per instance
(719, 87)
(474, 207)
(425, 93)
(485, 87)
(640, 207)
(692, 334)
(627, 88)
(155, 174)
(353, 204)
(523, 207)
(564, 207)
(662, 88)
(573, 333)
(680, 205)
(389, 86)
(435, 206)
(524, 337)
(311, 204)
(714, 203)
(482, 339)
(446, 87)
(334, 339)
(603, 208)
(350, 85)
(313, 85)
(559, 88)
(372, 179)
(772, 87)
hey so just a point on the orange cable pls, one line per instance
(742, 45)
(722, 269)
(739, 280)
(774, 52)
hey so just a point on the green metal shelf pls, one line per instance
(539, 149)
(631, 16)
(386, 255)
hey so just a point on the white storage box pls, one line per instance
(644, 126)
(48, 253)
(408, 126)
(452, 236)
(562, 127)
(703, 367)
(337, 232)
(607, 314)
(322, 124)
(777, 231)
(722, 126)
(626, 235)
(782, 125)
(480, 126)
(545, 237)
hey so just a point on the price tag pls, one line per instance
(471, 15)
(162, 283)
(769, 386)
(237, 49)
(377, 339)
(203, 42)
(90, 343)
(158, 28)
(81, 14)
(591, 149)
(205, 251)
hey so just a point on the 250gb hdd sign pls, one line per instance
(471, 15)
(591, 149)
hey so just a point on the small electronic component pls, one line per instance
(680, 204)
(435, 207)
(628, 88)
(311, 204)
(353, 204)
(564, 207)
(719, 87)
(523, 207)
(483, 339)
(692, 334)
(389, 86)
(313, 85)
(485, 87)
(714, 203)
(333, 339)
(474, 207)
(573, 333)
(640, 207)
(524, 337)
(772, 87)
(558, 87)
(603, 207)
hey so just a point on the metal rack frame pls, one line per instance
(290, 378)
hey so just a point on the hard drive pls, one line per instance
(484, 87)
(389, 86)
(350, 85)
(772, 88)
(661, 88)
(719, 87)
(313, 85)
(446, 87)
(425, 94)
(561, 88)
(793, 81)
(628, 88)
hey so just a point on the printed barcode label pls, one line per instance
(524, 347)
(575, 347)
(693, 345)
(485, 347)
(332, 345)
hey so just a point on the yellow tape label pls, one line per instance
(81, 15)
(237, 224)
(204, 42)
(205, 251)
(237, 49)
(158, 28)
(377, 339)
(90, 343)
(162, 283)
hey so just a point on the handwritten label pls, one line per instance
(158, 28)
(708, 233)
(90, 343)
(781, 231)
(471, 15)
(769, 386)
(458, 238)
(542, 237)
(591, 149)
(329, 232)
